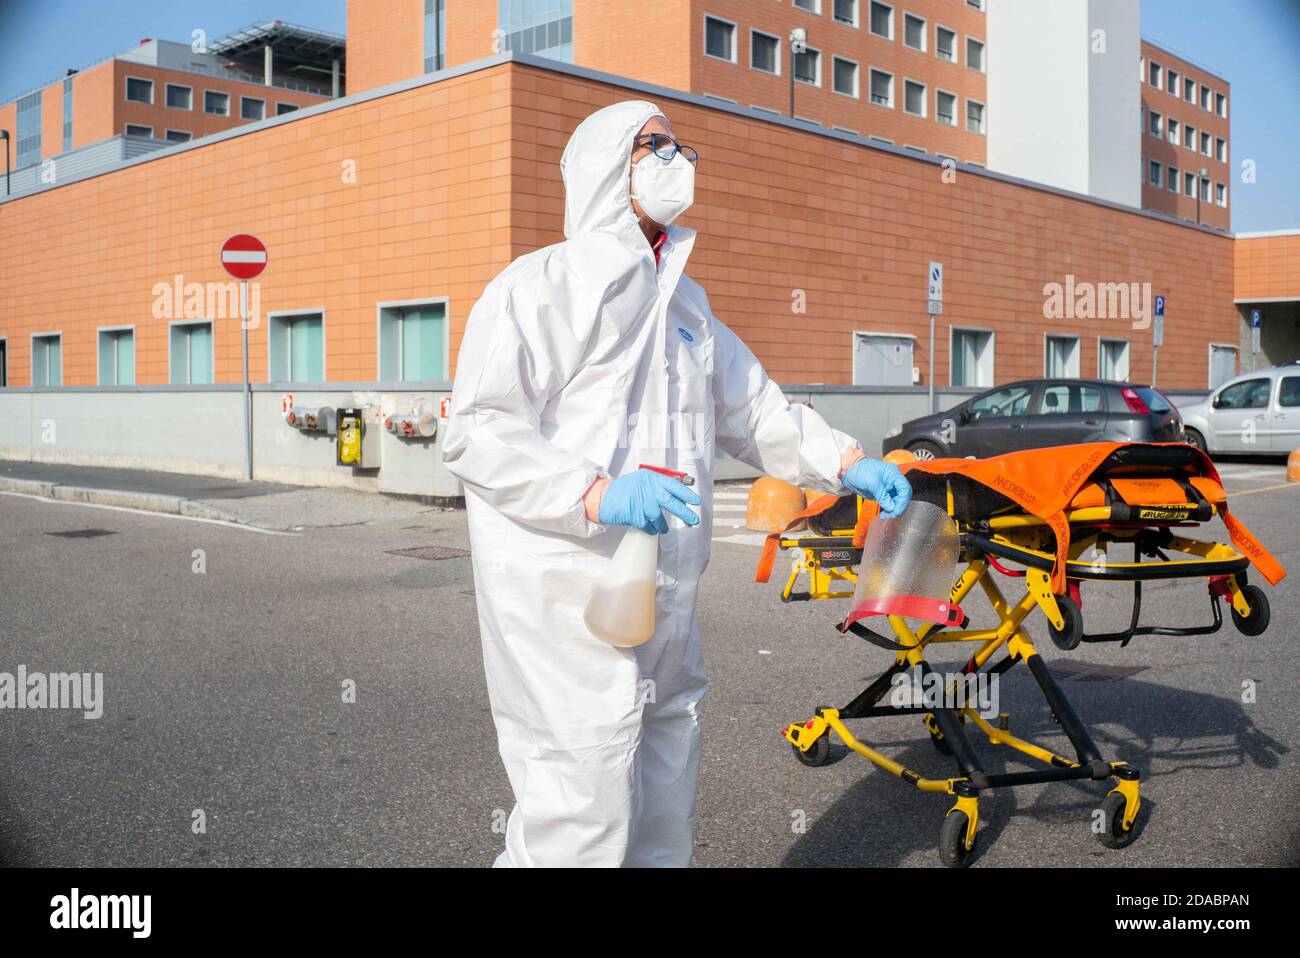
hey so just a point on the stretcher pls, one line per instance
(1035, 528)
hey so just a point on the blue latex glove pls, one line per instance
(881, 481)
(639, 498)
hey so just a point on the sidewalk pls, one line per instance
(267, 505)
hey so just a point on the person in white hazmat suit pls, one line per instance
(580, 362)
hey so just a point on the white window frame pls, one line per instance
(1206, 99)
(984, 54)
(31, 357)
(224, 93)
(1128, 355)
(1155, 75)
(290, 315)
(179, 86)
(735, 35)
(993, 354)
(815, 12)
(1173, 177)
(881, 139)
(1189, 133)
(191, 322)
(925, 94)
(1173, 131)
(1172, 79)
(1155, 173)
(925, 32)
(243, 99)
(1078, 354)
(99, 372)
(817, 79)
(1156, 124)
(1221, 149)
(443, 301)
(871, 88)
(1188, 82)
(779, 45)
(126, 87)
(857, 16)
(984, 117)
(1221, 195)
(186, 132)
(1207, 143)
(956, 108)
(126, 129)
(871, 5)
(857, 77)
(956, 44)
(1221, 104)
(1192, 177)
(976, 5)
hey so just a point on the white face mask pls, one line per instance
(664, 188)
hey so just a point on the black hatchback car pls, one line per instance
(1041, 412)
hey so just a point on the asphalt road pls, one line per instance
(223, 693)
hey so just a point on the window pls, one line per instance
(1221, 194)
(251, 108)
(845, 79)
(945, 107)
(296, 347)
(180, 97)
(846, 11)
(1155, 124)
(1189, 136)
(1205, 97)
(1205, 190)
(1112, 359)
(913, 148)
(541, 27)
(1066, 399)
(1221, 105)
(138, 90)
(1189, 90)
(975, 4)
(808, 66)
(47, 360)
(117, 357)
(1247, 394)
(1154, 73)
(945, 44)
(435, 35)
(1171, 81)
(720, 39)
(913, 32)
(28, 147)
(1012, 401)
(179, 136)
(1221, 149)
(1172, 126)
(975, 54)
(413, 342)
(1205, 143)
(191, 355)
(1061, 356)
(882, 20)
(764, 52)
(1288, 393)
(282, 108)
(67, 124)
(812, 6)
(1189, 184)
(1172, 179)
(914, 98)
(1154, 172)
(215, 103)
(136, 129)
(972, 362)
(882, 88)
(974, 117)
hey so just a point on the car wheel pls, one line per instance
(925, 451)
(1194, 438)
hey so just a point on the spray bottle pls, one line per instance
(621, 610)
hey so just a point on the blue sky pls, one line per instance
(1251, 43)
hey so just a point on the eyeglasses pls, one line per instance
(665, 147)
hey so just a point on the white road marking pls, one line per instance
(750, 539)
(149, 512)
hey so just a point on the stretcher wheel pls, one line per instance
(817, 753)
(1069, 637)
(952, 840)
(1115, 834)
(1257, 621)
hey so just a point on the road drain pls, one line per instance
(82, 533)
(430, 552)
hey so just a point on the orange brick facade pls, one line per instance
(455, 178)
(1268, 268)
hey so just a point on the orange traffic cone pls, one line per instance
(1293, 466)
(772, 504)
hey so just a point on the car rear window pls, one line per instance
(1154, 400)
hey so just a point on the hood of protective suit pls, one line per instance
(596, 166)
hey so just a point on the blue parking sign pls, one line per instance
(1160, 305)
(1256, 319)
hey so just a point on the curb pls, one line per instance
(122, 498)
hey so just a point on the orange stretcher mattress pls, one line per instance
(1149, 492)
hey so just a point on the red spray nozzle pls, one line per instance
(686, 478)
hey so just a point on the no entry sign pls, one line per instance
(243, 256)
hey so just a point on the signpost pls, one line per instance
(1157, 335)
(1256, 321)
(934, 296)
(244, 257)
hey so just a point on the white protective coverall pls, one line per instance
(585, 359)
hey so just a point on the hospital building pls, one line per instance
(846, 145)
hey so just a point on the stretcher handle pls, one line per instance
(941, 613)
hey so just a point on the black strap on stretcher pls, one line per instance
(1198, 507)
